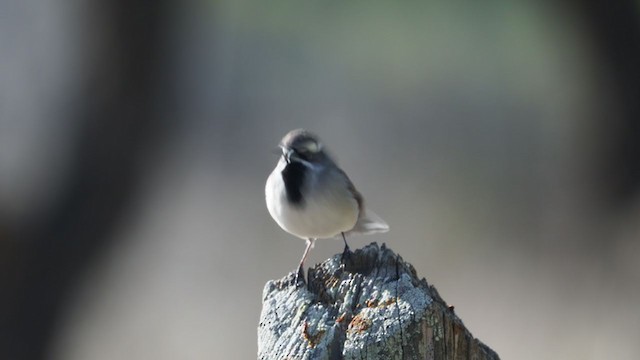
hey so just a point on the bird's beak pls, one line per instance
(287, 153)
(284, 152)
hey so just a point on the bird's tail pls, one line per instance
(369, 223)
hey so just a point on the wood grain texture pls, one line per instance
(370, 306)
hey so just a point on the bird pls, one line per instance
(310, 197)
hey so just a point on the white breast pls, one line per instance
(326, 212)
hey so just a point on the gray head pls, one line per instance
(302, 145)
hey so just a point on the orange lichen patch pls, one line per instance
(359, 324)
(331, 281)
(312, 340)
(341, 318)
(389, 301)
(371, 303)
(375, 303)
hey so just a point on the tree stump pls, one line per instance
(370, 305)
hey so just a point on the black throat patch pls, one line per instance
(293, 176)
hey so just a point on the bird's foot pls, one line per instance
(346, 255)
(298, 279)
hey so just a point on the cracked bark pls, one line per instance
(372, 307)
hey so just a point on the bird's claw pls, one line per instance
(346, 255)
(298, 279)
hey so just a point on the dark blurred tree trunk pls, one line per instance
(614, 27)
(117, 125)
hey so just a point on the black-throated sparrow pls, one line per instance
(309, 196)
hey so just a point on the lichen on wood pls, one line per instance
(369, 305)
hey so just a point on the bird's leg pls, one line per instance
(300, 272)
(347, 251)
(346, 246)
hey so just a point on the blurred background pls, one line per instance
(500, 140)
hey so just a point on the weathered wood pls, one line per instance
(369, 306)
